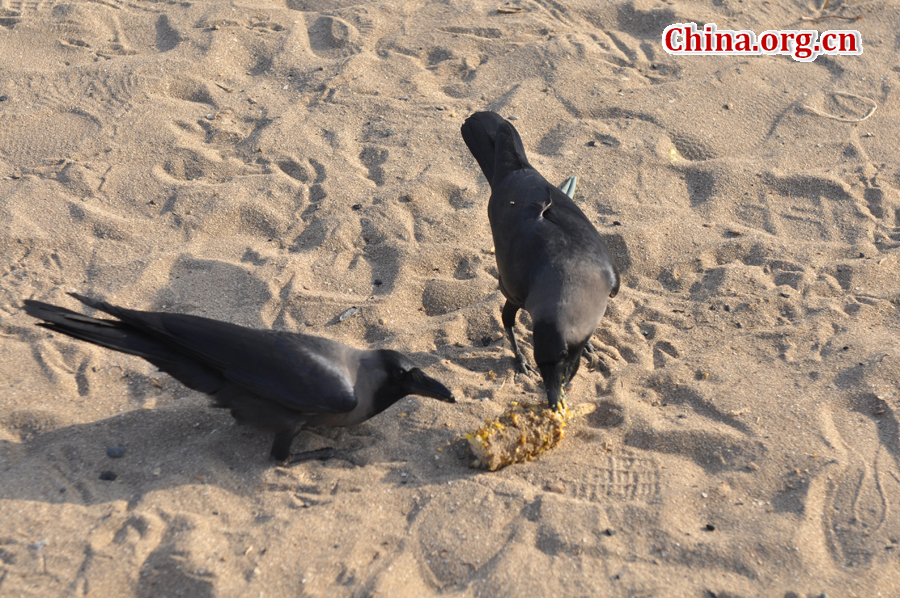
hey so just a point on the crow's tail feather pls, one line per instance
(111, 334)
(126, 338)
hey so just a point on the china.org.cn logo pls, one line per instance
(802, 45)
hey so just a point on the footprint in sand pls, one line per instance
(483, 524)
(92, 27)
(663, 353)
(66, 134)
(9, 18)
(883, 202)
(624, 476)
(333, 37)
(122, 536)
(851, 499)
(373, 158)
(166, 570)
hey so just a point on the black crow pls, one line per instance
(272, 380)
(551, 259)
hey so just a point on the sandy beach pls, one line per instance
(274, 164)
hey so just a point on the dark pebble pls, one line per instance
(4, 97)
(610, 531)
(377, 282)
(356, 207)
(485, 341)
(616, 223)
(115, 452)
(592, 143)
(727, 308)
(617, 577)
(108, 476)
(710, 527)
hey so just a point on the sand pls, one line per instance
(274, 164)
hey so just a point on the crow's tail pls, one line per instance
(127, 336)
(111, 334)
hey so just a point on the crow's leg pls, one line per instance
(508, 317)
(281, 446)
(589, 348)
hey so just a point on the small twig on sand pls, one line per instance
(840, 118)
(505, 380)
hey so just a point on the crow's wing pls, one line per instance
(298, 371)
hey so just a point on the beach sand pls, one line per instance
(274, 164)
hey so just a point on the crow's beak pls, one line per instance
(556, 398)
(555, 384)
(422, 385)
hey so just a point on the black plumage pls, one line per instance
(273, 380)
(552, 261)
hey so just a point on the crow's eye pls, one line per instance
(398, 373)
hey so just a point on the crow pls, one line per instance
(551, 259)
(272, 380)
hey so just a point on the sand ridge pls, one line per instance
(274, 164)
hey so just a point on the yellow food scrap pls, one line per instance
(520, 434)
